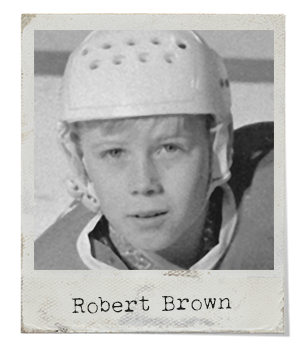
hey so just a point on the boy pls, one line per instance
(147, 128)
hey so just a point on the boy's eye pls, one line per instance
(171, 148)
(114, 153)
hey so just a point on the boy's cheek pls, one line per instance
(112, 200)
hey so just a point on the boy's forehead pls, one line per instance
(165, 125)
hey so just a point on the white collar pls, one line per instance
(208, 262)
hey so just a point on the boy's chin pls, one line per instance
(153, 244)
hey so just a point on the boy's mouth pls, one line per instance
(149, 214)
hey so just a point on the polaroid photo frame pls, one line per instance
(77, 280)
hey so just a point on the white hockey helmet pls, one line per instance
(120, 74)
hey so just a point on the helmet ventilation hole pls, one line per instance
(117, 60)
(94, 65)
(85, 52)
(143, 57)
(181, 45)
(155, 41)
(169, 58)
(106, 46)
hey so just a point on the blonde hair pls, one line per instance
(113, 126)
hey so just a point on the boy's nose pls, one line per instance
(145, 178)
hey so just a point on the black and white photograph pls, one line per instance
(153, 169)
(154, 149)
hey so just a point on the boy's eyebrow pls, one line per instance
(156, 134)
(106, 143)
(109, 139)
(176, 134)
(116, 139)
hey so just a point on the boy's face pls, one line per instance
(150, 174)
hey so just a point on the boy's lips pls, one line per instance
(149, 220)
(148, 214)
